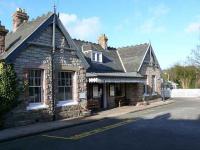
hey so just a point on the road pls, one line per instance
(171, 127)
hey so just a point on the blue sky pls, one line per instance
(172, 26)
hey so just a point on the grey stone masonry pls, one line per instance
(149, 71)
(38, 56)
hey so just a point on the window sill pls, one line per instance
(66, 103)
(36, 106)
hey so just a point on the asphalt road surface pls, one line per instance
(171, 127)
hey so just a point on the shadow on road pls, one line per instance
(157, 133)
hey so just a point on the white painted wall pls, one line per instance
(185, 93)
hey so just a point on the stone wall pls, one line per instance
(39, 57)
(149, 71)
(134, 92)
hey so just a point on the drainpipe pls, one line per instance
(52, 65)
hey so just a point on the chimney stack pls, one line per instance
(3, 33)
(19, 17)
(103, 41)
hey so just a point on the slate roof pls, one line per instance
(14, 39)
(111, 61)
(27, 29)
(132, 56)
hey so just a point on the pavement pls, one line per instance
(23, 131)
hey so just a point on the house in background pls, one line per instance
(63, 77)
(120, 76)
(48, 65)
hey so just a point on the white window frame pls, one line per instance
(73, 100)
(154, 84)
(68, 76)
(36, 86)
(146, 87)
(41, 104)
(96, 56)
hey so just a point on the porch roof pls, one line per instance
(128, 77)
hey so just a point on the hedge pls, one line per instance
(8, 89)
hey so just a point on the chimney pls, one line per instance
(103, 41)
(3, 33)
(19, 17)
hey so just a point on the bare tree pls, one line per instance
(194, 57)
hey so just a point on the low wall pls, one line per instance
(185, 93)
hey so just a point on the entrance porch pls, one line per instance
(104, 92)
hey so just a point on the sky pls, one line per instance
(171, 26)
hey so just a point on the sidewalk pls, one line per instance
(13, 133)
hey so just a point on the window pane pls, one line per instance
(63, 82)
(97, 57)
(31, 93)
(35, 86)
(37, 82)
(61, 93)
(62, 75)
(30, 81)
(68, 91)
(65, 86)
(37, 94)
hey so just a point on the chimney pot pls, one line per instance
(19, 17)
(103, 39)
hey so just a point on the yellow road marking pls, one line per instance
(56, 137)
(92, 132)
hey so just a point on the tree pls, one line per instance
(194, 57)
(185, 76)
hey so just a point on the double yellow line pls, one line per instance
(92, 132)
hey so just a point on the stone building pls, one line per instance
(63, 77)
(49, 66)
(120, 76)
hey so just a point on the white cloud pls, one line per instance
(159, 10)
(193, 27)
(152, 24)
(68, 18)
(81, 28)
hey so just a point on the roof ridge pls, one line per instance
(40, 17)
(31, 21)
(129, 46)
(88, 42)
(85, 41)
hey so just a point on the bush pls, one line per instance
(8, 89)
